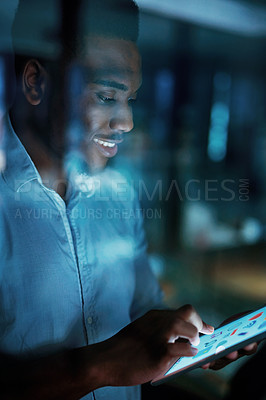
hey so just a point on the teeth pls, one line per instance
(103, 143)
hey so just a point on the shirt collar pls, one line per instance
(19, 168)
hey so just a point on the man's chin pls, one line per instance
(96, 160)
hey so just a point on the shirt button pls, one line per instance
(89, 320)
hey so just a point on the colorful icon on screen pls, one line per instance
(263, 325)
(228, 334)
(234, 326)
(219, 349)
(216, 334)
(221, 343)
(242, 333)
(211, 343)
(250, 324)
(256, 316)
(202, 352)
(234, 331)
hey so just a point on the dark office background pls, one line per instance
(197, 156)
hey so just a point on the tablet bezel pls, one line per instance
(260, 336)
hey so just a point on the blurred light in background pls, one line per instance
(164, 97)
(218, 133)
(232, 16)
(252, 230)
(164, 89)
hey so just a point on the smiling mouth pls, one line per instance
(108, 147)
(104, 143)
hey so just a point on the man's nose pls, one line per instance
(122, 120)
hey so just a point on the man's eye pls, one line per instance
(132, 100)
(105, 99)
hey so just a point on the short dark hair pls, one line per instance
(109, 18)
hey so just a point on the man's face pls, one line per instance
(113, 70)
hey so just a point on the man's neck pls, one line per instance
(46, 162)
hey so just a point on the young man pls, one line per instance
(71, 286)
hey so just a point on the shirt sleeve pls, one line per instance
(148, 294)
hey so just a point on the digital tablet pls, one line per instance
(230, 337)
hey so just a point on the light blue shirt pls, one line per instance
(71, 273)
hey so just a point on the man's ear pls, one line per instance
(34, 82)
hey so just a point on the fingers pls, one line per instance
(235, 355)
(246, 351)
(232, 356)
(189, 314)
(179, 349)
(207, 329)
(218, 364)
(174, 326)
(184, 330)
(250, 348)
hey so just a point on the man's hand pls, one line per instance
(150, 345)
(235, 355)
(137, 354)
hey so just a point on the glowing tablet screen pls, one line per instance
(241, 330)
